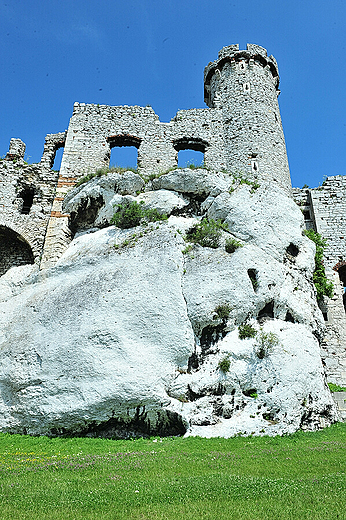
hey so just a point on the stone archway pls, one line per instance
(14, 250)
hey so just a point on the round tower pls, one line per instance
(244, 85)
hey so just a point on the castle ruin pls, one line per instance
(240, 132)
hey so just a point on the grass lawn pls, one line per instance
(301, 476)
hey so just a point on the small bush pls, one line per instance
(231, 245)
(207, 233)
(224, 365)
(130, 214)
(336, 388)
(265, 342)
(223, 311)
(246, 331)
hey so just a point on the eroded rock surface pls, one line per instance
(133, 333)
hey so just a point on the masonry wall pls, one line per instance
(324, 210)
(95, 129)
(23, 229)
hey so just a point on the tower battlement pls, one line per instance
(253, 55)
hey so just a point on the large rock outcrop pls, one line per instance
(133, 332)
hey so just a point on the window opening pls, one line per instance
(28, 199)
(124, 150)
(124, 157)
(246, 87)
(190, 151)
(254, 165)
(57, 159)
(188, 158)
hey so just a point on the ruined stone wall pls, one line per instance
(52, 143)
(329, 207)
(95, 129)
(324, 210)
(26, 196)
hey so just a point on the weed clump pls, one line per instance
(265, 342)
(246, 331)
(223, 311)
(103, 171)
(224, 365)
(231, 245)
(206, 233)
(131, 214)
(336, 388)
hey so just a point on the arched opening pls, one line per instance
(124, 151)
(190, 151)
(14, 250)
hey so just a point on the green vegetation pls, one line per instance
(223, 311)
(131, 214)
(187, 249)
(231, 244)
(265, 342)
(246, 331)
(224, 365)
(207, 233)
(252, 392)
(242, 179)
(323, 286)
(336, 388)
(299, 476)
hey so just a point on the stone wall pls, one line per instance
(95, 129)
(324, 210)
(26, 196)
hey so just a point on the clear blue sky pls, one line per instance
(153, 52)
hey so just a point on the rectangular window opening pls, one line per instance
(188, 158)
(124, 157)
(57, 160)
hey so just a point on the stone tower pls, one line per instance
(244, 85)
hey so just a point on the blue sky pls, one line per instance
(53, 53)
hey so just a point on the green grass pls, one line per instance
(301, 476)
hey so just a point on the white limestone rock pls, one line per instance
(164, 201)
(265, 217)
(197, 181)
(125, 334)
